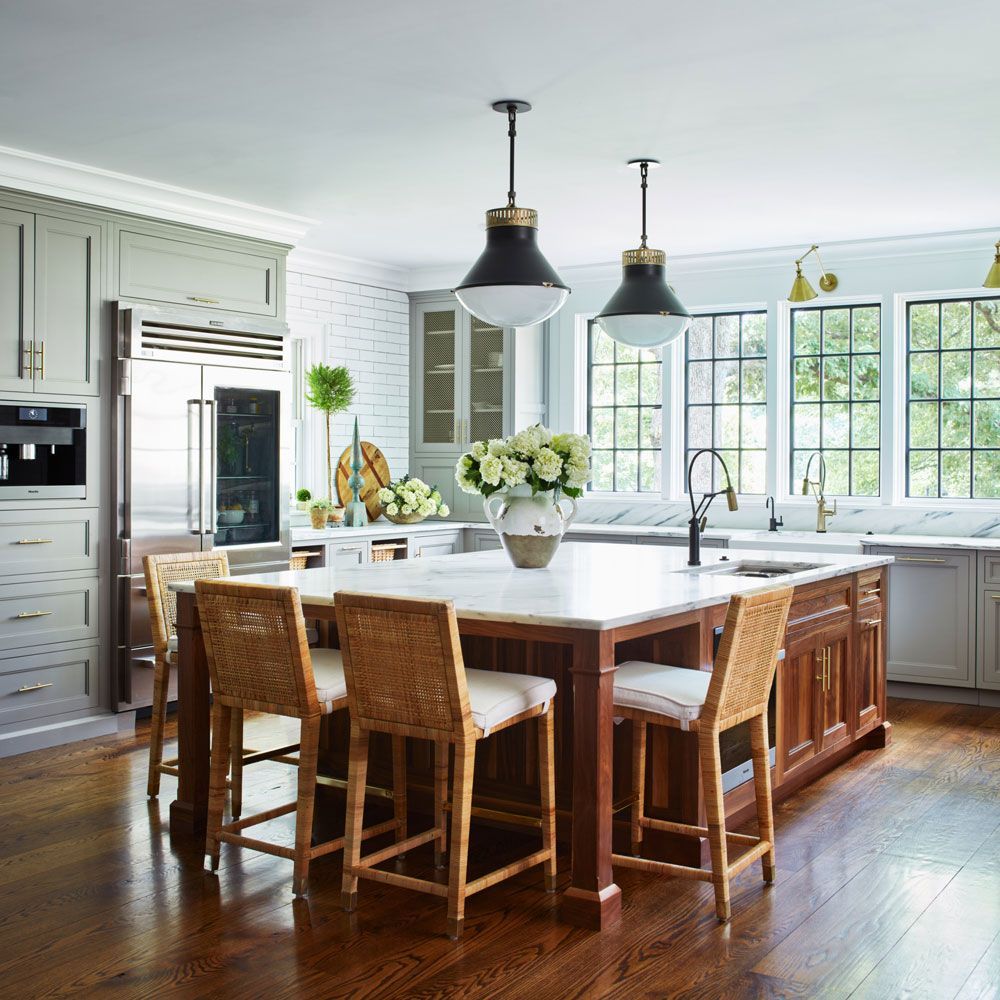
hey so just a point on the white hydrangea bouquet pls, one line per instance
(525, 481)
(409, 500)
(533, 457)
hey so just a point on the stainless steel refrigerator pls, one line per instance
(203, 440)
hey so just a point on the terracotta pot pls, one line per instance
(337, 515)
(317, 516)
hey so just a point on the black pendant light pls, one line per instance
(644, 311)
(512, 284)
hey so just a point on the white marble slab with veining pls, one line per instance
(593, 586)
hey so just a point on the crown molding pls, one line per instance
(324, 264)
(78, 182)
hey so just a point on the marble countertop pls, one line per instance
(596, 586)
(932, 541)
(377, 529)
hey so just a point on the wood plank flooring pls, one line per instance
(888, 886)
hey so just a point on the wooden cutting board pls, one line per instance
(374, 470)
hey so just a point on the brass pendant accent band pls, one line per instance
(511, 215)
(643, 255)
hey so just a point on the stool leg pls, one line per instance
(638, 783)
(308, 756)
(440, 801)
(461, 814)
(161, 683)
(357, 775)
(711, 775)
(399, 787)
(236, 766)
(221, 728)
(762, 791)
(547, 784)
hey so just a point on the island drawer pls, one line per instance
(991, 569)
(62, 541)
(869, 586)
(33, 687)
(34, 614)
(817, 605)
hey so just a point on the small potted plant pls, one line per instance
(331, 391)
(409, 500)
(319, 511)
(302, 498)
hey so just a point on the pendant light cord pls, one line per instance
(643, 173)
(512, 134)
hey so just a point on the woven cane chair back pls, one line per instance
(403, 665)
(744, 668)
(163, 570)
(255, 642)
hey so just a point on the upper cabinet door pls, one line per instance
(67, 306)
(17, 251)
(191, 274)
(439, 340)
(484, 372)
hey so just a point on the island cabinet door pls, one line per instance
(798, 680)
(835, 694)
(869, 667)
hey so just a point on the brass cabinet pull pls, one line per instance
(33, 687)
(350, 548)
(873, 622)
(33, 614)
(28, 361)
(41, 359)
(200, 298)
(995, 597)
(34, 541)
(921, 559)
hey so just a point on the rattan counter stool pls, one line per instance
(405, 675)
(258, 658)
(735, 691)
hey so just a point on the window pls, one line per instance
(726, 399)
(953, 398)
(624, 418)
(836, 383)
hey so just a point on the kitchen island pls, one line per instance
(597, 605)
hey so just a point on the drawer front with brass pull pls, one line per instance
(36, 686)
(64, 541)
(34, 614)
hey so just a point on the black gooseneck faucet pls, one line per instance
(699, 513)
(773, 522)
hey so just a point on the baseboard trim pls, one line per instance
(56, 734)
(940, 692)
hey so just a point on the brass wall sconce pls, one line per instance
(802, 291)
(993, 275)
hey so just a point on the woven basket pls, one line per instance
(387, 552)
(404, 518)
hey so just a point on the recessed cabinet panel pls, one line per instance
(34, 614)
(17, 249)
(190, 274)
(798, 679)
(989, 640)
(440, 334)
(869, 666)
(435, 545)
(485, 374)
(67, 306)
(835, 687)
(44, 684)
(347, 554)
(62, 541)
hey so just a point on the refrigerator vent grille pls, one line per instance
(185, 342)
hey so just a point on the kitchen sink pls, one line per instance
(759, 569)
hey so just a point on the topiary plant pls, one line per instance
(331, 391)
(303, 495)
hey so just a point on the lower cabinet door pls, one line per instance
(435, 545)
(835, 693)
(43, 684)
(798, 678)
(989, 640)
(34, 614)
(869, 665)
(347, 554)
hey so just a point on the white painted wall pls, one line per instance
(365, 327)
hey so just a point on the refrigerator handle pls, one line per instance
(213, 471)
(196, 449)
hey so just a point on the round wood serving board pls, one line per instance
(374, 469)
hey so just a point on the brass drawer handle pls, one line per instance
(200, 298)
(33, 614)
(995, 597)
(871, 593)
(33, 687)
(921, 559)
(34, 541)
(873, 622)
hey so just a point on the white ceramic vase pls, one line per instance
(530, 527)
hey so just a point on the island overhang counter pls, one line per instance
(594, 606)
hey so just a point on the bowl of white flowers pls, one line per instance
(525, 480)
(409, 500)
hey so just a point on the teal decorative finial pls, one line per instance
(357, 512)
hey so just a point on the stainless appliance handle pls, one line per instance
(196, 448)
(213, 467)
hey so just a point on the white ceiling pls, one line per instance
(777, 123)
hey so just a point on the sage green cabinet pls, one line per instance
(17, 282)
(989, 639)
(194, 274)
(67, 306)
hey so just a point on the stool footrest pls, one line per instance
(402, 847)
(499, 874)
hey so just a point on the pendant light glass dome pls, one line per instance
(512, 284)
(644, 311)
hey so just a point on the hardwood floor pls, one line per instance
(888, 886)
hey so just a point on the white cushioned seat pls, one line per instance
(328, 673)
(676, 692)
(172, 646)
(495, 697)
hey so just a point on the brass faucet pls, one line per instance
(823, 512)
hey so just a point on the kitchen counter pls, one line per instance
(378, 529)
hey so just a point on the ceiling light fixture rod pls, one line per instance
(644, 174)
(512, 134)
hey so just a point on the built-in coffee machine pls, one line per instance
(43, 451)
